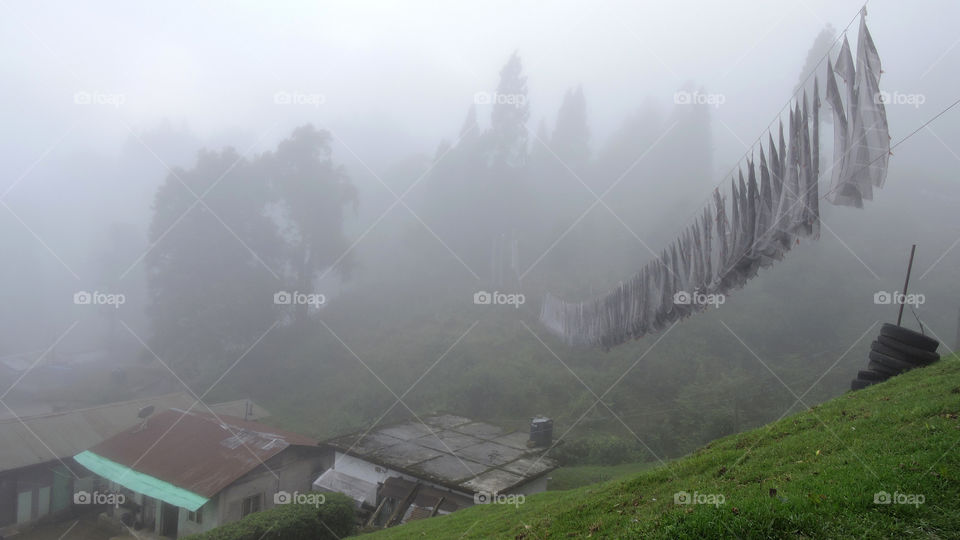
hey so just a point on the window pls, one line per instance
(251, 504)
(196, 517)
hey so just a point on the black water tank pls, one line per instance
(541, 431)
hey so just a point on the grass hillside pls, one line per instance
(810, 475)
(570, 477)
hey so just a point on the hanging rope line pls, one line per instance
(766, 211)
(925, 124)
(778, 116)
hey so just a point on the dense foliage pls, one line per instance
(497, 211)
(332, 520)
(877, 463)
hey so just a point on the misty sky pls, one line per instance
(395, 79)
(411, 69)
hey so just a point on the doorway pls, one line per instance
(169, 520)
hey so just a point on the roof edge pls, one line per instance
(51, 414)
(140, 482)
(430, 478)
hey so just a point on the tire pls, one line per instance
(870, 375)
(890, 351)
(880, 368)
(891, 362)
(859, 384)
(913, 354)
(909, 337)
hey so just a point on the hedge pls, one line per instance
(329, 521)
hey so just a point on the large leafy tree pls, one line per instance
(560, 164)
(312, 193)
(508, 120)
(211, 266)
(264, 225)
(571, 136)
(479, 189)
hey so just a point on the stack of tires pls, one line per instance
(897, 350)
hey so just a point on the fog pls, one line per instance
(121, 119)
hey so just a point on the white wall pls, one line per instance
(296, 469)
(364, 470)
(209, 512)
(377, 474)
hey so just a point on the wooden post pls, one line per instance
(437, 507)
(373, 516)
(402, 506)
(906, 282)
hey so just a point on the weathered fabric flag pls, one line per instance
(715, 256)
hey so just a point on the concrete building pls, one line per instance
(38, 475)
(181, 473)
(434, 467)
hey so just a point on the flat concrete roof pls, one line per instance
(452, 451)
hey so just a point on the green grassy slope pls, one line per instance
(810, 475)
(575, 476)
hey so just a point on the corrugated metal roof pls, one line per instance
(195, 451)
(238, 408)
(139, 482)
(41, 438)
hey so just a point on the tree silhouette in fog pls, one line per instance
(230, 233)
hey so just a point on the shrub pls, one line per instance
(331, 520)
(599, 450)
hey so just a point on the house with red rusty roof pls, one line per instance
(38, 476)
(183, 472)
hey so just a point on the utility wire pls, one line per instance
(800, 88)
